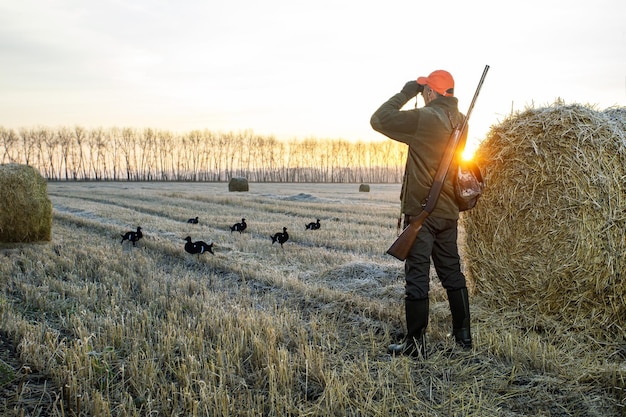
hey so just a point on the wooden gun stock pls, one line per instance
(402, 245)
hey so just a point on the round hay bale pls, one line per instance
(548, 235)
(364, 188)
(25, 210)
(238, 184)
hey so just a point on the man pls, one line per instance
(426, 130)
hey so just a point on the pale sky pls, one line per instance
(296, 69)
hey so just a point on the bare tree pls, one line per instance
(65, 143)
(165, 149)
(127, 143)
(82, 147)
(45, 141)
(9, 139)
(26, 145)
(98, 149)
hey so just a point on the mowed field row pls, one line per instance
(362, 225)
(92, 326)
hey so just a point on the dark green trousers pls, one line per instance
(436, 240)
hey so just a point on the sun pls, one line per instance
(470, 150)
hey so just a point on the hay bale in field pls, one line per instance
(548, 235)
(364, 188)
(238, 184)
(25, 210)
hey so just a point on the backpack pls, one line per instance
(468, 185)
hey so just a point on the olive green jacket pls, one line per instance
(426, 130)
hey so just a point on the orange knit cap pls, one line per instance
(441, 81)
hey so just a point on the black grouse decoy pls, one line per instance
(132, 236)
(198, 247)
(313, 225)
(280, 237)
(193, 221)
(239, 227)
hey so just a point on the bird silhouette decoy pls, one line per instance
(132, 236)
(280, 237)
(313, 225)
(198, 247)
(193, 221)
(239, 227)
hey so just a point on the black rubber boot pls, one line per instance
(416, 312)
(459, 307)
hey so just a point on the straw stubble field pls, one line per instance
(92, 327)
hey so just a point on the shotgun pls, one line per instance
(402, 245)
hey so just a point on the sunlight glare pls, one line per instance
(470, 149)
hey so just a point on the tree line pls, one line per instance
(130, 154)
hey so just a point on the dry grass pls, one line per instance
(94, 328)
